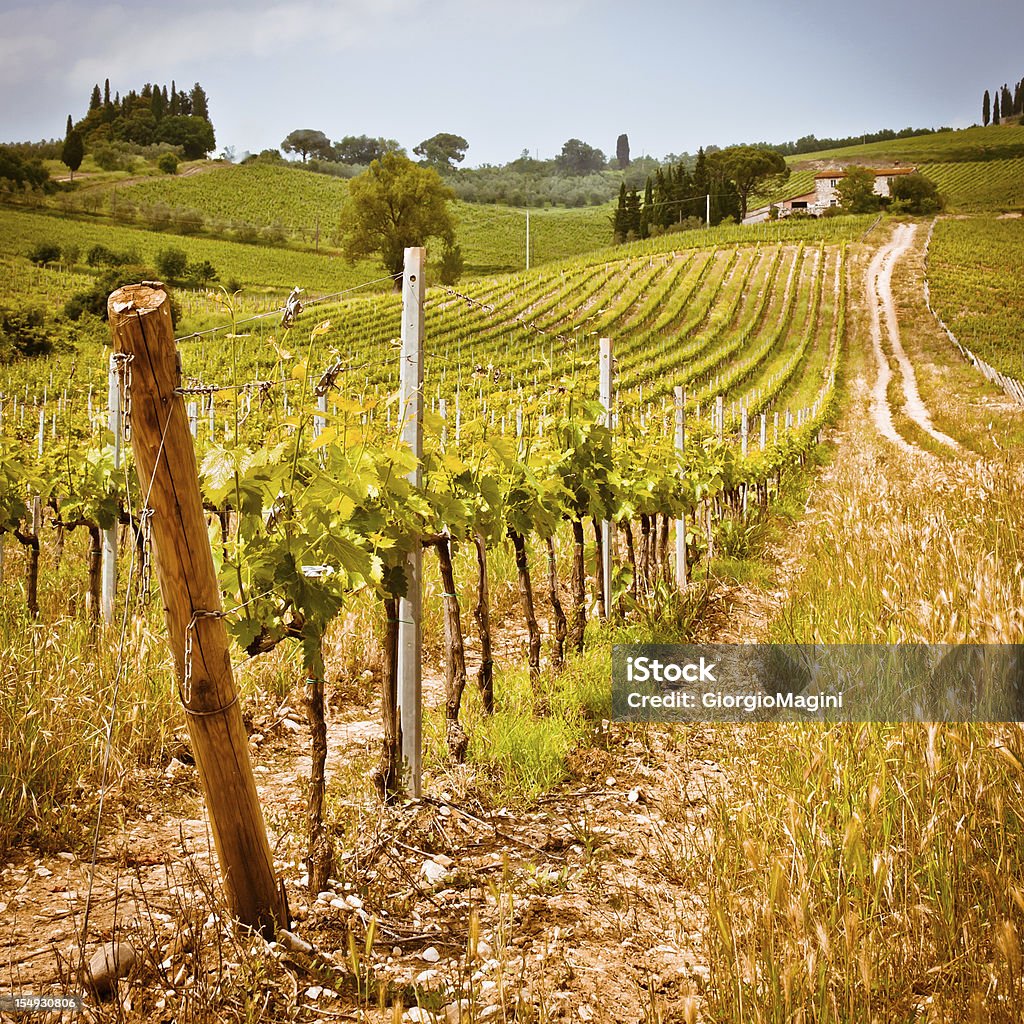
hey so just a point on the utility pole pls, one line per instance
(140, 324)
(410, 629)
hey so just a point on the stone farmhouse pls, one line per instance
(826, 184)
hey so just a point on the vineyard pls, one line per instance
(565, 501)
(976, 291)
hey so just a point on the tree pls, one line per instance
(452, 263)
(392, 205)
(986, 109)
(442, 151)
(95, 100)
(856, 190)
(914, 193)
(361, 149)
(193, 134)
(308, 141)
(172, 263)
(622, 151)
(749, 167)
(578, 158)
(200, 104)
(74, 150)
(995, 110)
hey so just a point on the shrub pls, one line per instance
(101, 256)
(94, 300)
(168, 163)
(44, 253)
(113, 158)
(171, 263)
(189, 222)
(23, 333)
(202, 273)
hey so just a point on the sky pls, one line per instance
(519, 74)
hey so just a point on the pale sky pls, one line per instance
(522, 74)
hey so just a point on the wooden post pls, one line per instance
(744, 427)
(681, 581)
(410, 630)
(108, 582)
(605, 368)
(140, 323)
(720, 416)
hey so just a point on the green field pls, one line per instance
(976, 287)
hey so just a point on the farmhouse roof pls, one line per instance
(879, 172)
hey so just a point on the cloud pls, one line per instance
(83, 45)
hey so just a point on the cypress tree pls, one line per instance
(199, 103)
(995, 110)
(619, 228)
(95, 100)
(1006, 104)
(986, 109)
(106, 93)
(632, 219)
(73, 151)
(173, 106)
(622, 151)
(701, 181)
(647, 211)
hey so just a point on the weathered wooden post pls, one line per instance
(140, 323)
(410, 635)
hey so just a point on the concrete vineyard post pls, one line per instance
(140, 324)
(680, 397)
(410, 630)
(605, 370)
(108, 580)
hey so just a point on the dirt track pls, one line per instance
(878, 283)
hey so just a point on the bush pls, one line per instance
(189, 222)
(44, 253)
(202, 273)
(101, 256)
(94, 300)
(113, 158)
(171, 264)
(168, 163)
(23, 333)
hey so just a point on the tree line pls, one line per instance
(717, 187)
(997, 106)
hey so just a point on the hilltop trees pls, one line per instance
(579, 158)
(986, 109)
(361, 149)
(392, 205)
(442, 151)
(308, 141)
(150, 116)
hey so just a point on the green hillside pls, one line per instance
(294, 202)
(976, 169)
(992, 143)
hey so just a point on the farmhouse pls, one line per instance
(826, 184)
